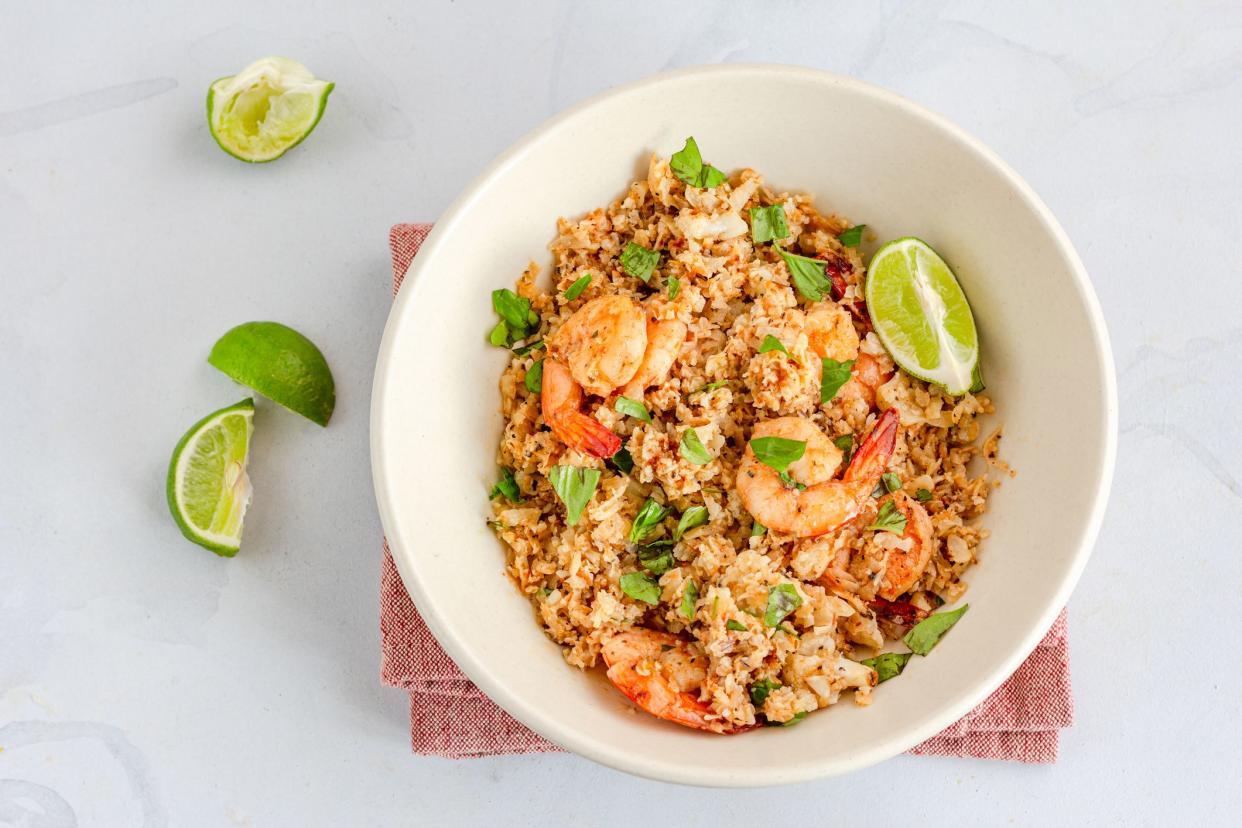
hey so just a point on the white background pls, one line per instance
(145, 681)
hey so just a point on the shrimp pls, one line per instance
(830, 332)
(664, 341)
(870, 376)
(661, 674)
(561, 400)
(825, 503)
(906, 566)
(602, 343)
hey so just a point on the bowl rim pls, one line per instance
(597, 750)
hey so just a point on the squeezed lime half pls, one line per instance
(266, 109)
(921, 315)
(208, 489)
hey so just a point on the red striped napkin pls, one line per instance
(450, 717)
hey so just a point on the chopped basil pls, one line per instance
(889, 519)
(641, 587)
(711, 386)
(891, 482)
(761, 689)
(647, 519)
(689, 597)
(923, 495)
(782, 600)
(506, 487)
(534, 377)
(687, 164)
(499, 335)
(926, 634)
(527, 348)
(846, 443)
(544, 592)
(797, 717)
(639, 262)
(832, 376)
(777, 452)
(808, 276)
(622, 461)
(887, 665)
(771, 343)
(853, 236)
(575, 290)
(674, 287)
(632, 408)
(768, 223)
(657, 558)
(692, 517)
(574, 486)
(519, 320)
(757, 528)
(692, 448)
(790, 483)
(736, 626)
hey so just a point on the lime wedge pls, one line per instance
(208, 489)
(264, 110)
(921, 315)
(280, 364)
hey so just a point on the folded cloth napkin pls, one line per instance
(450, 717)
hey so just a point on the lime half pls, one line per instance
(280, 364)
(921, 315)
(208, 489)
(264, 110)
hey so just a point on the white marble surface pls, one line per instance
(144, 681)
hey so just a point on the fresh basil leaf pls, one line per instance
(515, 311)
(777, 452)
(575, 290)
(687, 164)
(832, 376)
(887, 665)
(692, 517)
(657, 557)
(647, 519)
(808, 275)
(768, 223)
(534, 378)
(771, 343)
(641, 587)
(889, 519)
(853, 236)
(689, 597)
(891, 482)
(528, 348)
(797, 717)
(506, 487)
(782, 600)
(622, 461)
(736, 626)
(632, 408)
(639, 262)
(692, 448)
(674, 287)
(574, 486)
(926, 634)
(757, 528)
(923, 495)
(711, 386)
(846, 443)
(499, 335)
(761, 689)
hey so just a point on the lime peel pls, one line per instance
(921, 315)
(266, 109)
(281, 364)
(208, 489)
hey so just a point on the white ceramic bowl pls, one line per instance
(874, 157)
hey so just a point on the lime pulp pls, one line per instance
(266, 109)
(208, 488)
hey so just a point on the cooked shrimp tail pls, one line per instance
(872, 456)
(561, 401)
(661, 674)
